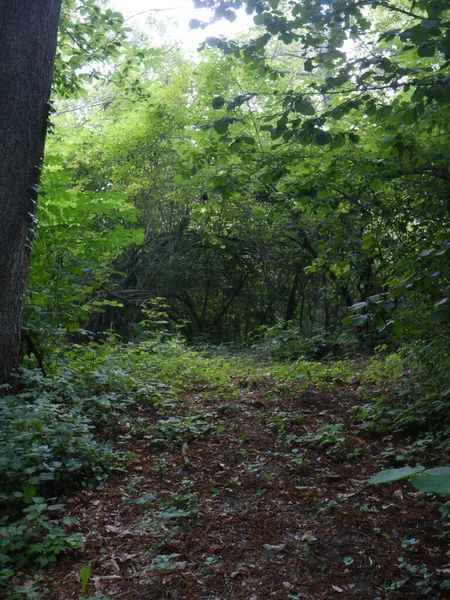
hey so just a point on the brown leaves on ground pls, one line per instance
(260, 507)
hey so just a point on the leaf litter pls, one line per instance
(262, 495)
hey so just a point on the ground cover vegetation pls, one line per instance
(234, 375)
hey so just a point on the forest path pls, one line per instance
(253, 492)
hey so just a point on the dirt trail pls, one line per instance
(260, 495)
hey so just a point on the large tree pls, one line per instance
(28, 37)
(88, 34)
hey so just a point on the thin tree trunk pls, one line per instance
(28, 34)
(302, 308)
(292, 301)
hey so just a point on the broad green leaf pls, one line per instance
(384, 111)
(376, 184)
(305, 108)
(390, 475)
(358, 305)
(427, 50)
(222, 180)
(429, 23)
(229, 15)
(247, 139)
(221, 126)
(409, 116)
(261, 18)
(218, 102)
(29, 493)
(355, 320)
(262, 41)
(368, 241)
(439, 316)
(323, 138)
(436, 481)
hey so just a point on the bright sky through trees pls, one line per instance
(176, 14)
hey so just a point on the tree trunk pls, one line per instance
(28, 34)
(292, 302)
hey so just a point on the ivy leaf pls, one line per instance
(144, 499)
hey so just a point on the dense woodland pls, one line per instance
(264, 226)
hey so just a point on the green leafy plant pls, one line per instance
(297, 460)
(166, 562)
(36, 538)
(284, 421)
(174, 431)
(328, 437)
(85, 574)
(435, 480)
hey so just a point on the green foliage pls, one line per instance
(38, 537)
(291, 376)
(395, 474)
(281, 343)
(297, 461)
(166, 562)
(52, 439)
(298, 202)
(328, 437)
(435, 481)
(175, 431)
(80, 233)
(47, 441)
(283, 421)
(418, 384)
(85, 573)
(284, 342)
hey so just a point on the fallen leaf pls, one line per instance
(275, 547)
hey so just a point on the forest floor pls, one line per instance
(255, 492)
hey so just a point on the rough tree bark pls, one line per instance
(28, 35)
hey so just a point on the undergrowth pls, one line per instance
(409, 393)
(59, 432)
